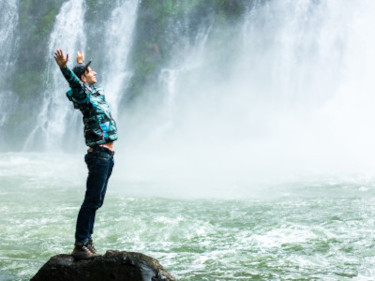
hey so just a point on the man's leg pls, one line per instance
(100, 166)
(102, 195)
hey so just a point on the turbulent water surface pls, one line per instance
(246, 129)
(312, 230)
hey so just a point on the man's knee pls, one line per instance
(92, 204)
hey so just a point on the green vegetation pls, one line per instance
(36, 19)
(161, 27)
(165, 29)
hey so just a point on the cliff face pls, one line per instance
(113, 266)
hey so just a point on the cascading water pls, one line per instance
(8, 55)
(118, 36)
(274, 93)
(286, 62)
(178, 67)
(8, 35)
(263, 110)
(59, 123)
(300, 58)
(296, 49)
(55, 116)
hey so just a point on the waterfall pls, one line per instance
(292, 90)
(311, 63)
(8, 55)
(60, 124)
(180, 66)
(289, 60)
(295, 48)
(8, 27)
(118, 35)
(278, 77)
(55, 115)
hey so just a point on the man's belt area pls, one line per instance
(107, 147)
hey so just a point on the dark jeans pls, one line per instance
(99, 164)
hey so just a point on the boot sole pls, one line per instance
(84, 256)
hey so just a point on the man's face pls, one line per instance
(89, 77)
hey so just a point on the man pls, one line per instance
(100, 132)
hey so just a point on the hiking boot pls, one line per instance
(91, 247)
(82, 252)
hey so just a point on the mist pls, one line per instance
(261, 91)
(288, 95)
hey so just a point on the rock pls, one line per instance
(113, 266)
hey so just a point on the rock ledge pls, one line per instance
(113, 266)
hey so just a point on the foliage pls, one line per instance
(161, 26)
(163, 29)
(35, 25)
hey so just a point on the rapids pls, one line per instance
(246, 142)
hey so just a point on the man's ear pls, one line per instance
(83, 78)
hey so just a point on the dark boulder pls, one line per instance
(113, 266)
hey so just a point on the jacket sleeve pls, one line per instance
(72, 79)
(78, 92)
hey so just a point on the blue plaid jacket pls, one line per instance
(99, 126)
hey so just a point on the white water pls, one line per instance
(313, 62)
(318, 230)
(178, 68)
(8, 49)
(59, 123)
(297, 98)
(56, 115)
(118, 38)
(8, 26)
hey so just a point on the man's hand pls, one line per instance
(60, 59)
(80, 57)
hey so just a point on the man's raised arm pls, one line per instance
(80, 57)
(62, 61)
